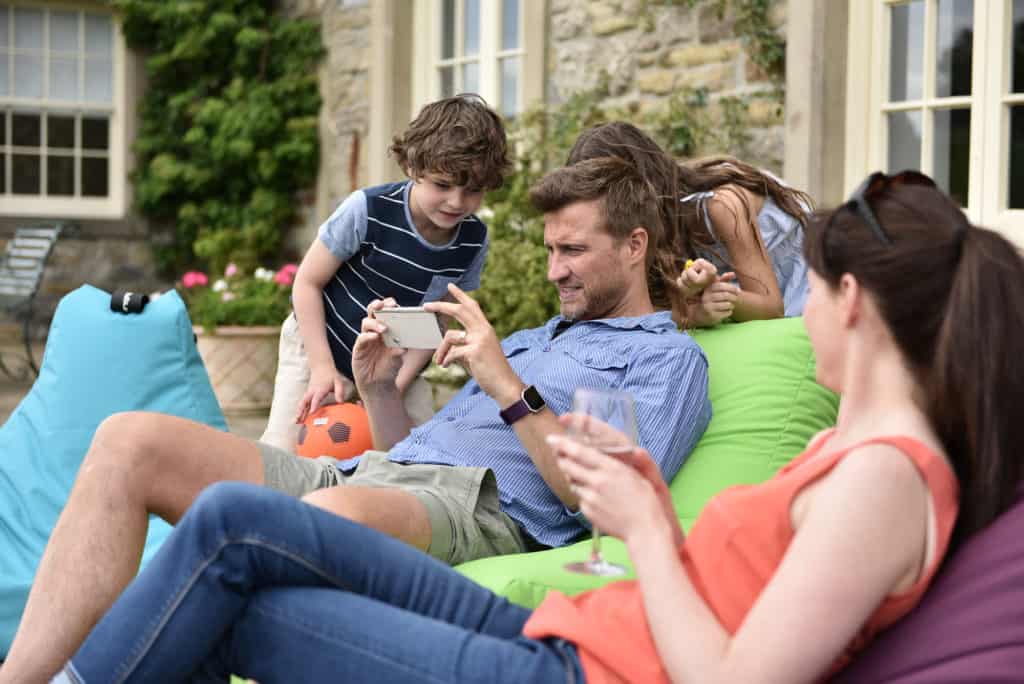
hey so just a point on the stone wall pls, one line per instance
(648, 50)
(345, 114)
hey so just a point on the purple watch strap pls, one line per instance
(515, 412)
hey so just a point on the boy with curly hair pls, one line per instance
(405, 240)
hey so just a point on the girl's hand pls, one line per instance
(718, 301)
(323, 381)
(696, 276)
(614, 495)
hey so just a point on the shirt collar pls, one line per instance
(658, 322)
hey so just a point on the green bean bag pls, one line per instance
(766, 406)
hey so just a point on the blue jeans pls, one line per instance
(257, 583)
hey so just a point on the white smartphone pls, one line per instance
(410, 327)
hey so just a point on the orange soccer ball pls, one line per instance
(336, 430)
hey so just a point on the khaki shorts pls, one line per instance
(466, 520)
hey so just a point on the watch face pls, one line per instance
(533, 400)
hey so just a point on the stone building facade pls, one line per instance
(383, 59)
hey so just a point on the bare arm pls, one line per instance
(861, 538)
(735, 224)
(376, 367)
(316, 269)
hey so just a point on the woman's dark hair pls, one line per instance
(946, 290)
(687, 234)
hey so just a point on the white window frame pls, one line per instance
(427, 59)
(867, 92)
(115, 205)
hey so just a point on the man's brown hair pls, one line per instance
(459, 137)
(627, 199)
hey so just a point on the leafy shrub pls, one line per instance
(228, 125)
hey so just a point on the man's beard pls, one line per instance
(595, 302)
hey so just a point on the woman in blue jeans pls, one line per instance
(259, 583)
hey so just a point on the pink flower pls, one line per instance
(194, 278)
(286, 276)
(230, 270)
(227, 296)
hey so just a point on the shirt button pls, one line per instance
(547, 348)
(451, 419)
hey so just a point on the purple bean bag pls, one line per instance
(970, 625)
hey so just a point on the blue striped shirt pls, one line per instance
(384, 255)
(665, 371)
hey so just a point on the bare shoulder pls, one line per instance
(732, 208)
(880, 472)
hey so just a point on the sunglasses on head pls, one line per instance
(873, 186)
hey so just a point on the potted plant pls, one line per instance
(237, 321)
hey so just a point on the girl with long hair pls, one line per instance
(735, 232)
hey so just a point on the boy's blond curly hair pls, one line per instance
(459, 137)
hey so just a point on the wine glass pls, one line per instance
(606, 421)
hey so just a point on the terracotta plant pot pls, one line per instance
(242, 363)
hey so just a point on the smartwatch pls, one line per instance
(529, 402)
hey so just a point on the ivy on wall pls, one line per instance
(752, 23)
(228, 126)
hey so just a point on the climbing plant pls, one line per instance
(228, 126)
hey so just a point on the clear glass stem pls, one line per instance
(595, 549)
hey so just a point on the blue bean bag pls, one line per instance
(96, 363)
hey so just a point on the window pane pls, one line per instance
(1016, 176)
(1018, 46)
(63, 79)
(952, 152)
(3, 174)
(471, 78)
(471, 28)
(63, 31)
(60, 131)
(94, 134)
(4, 80)
(447, 81)
(94, 177)
(60, 175)
(3, 128)
(28, 29)
(904, 141)
(953, 48)
(448, 29)
(99, 39)
(25, 174)
(26, 130)
(28, 76)
(906, 51)
(3, 28)
(509, 24)
(510, 86)
(99, 85)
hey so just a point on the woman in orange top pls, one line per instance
(778, 582)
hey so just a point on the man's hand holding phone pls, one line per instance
(476, 348)
(374, 364)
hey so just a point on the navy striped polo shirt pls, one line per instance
(384, 255)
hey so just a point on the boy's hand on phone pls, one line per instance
(374, 364)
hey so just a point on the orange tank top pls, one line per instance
(731, 553)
